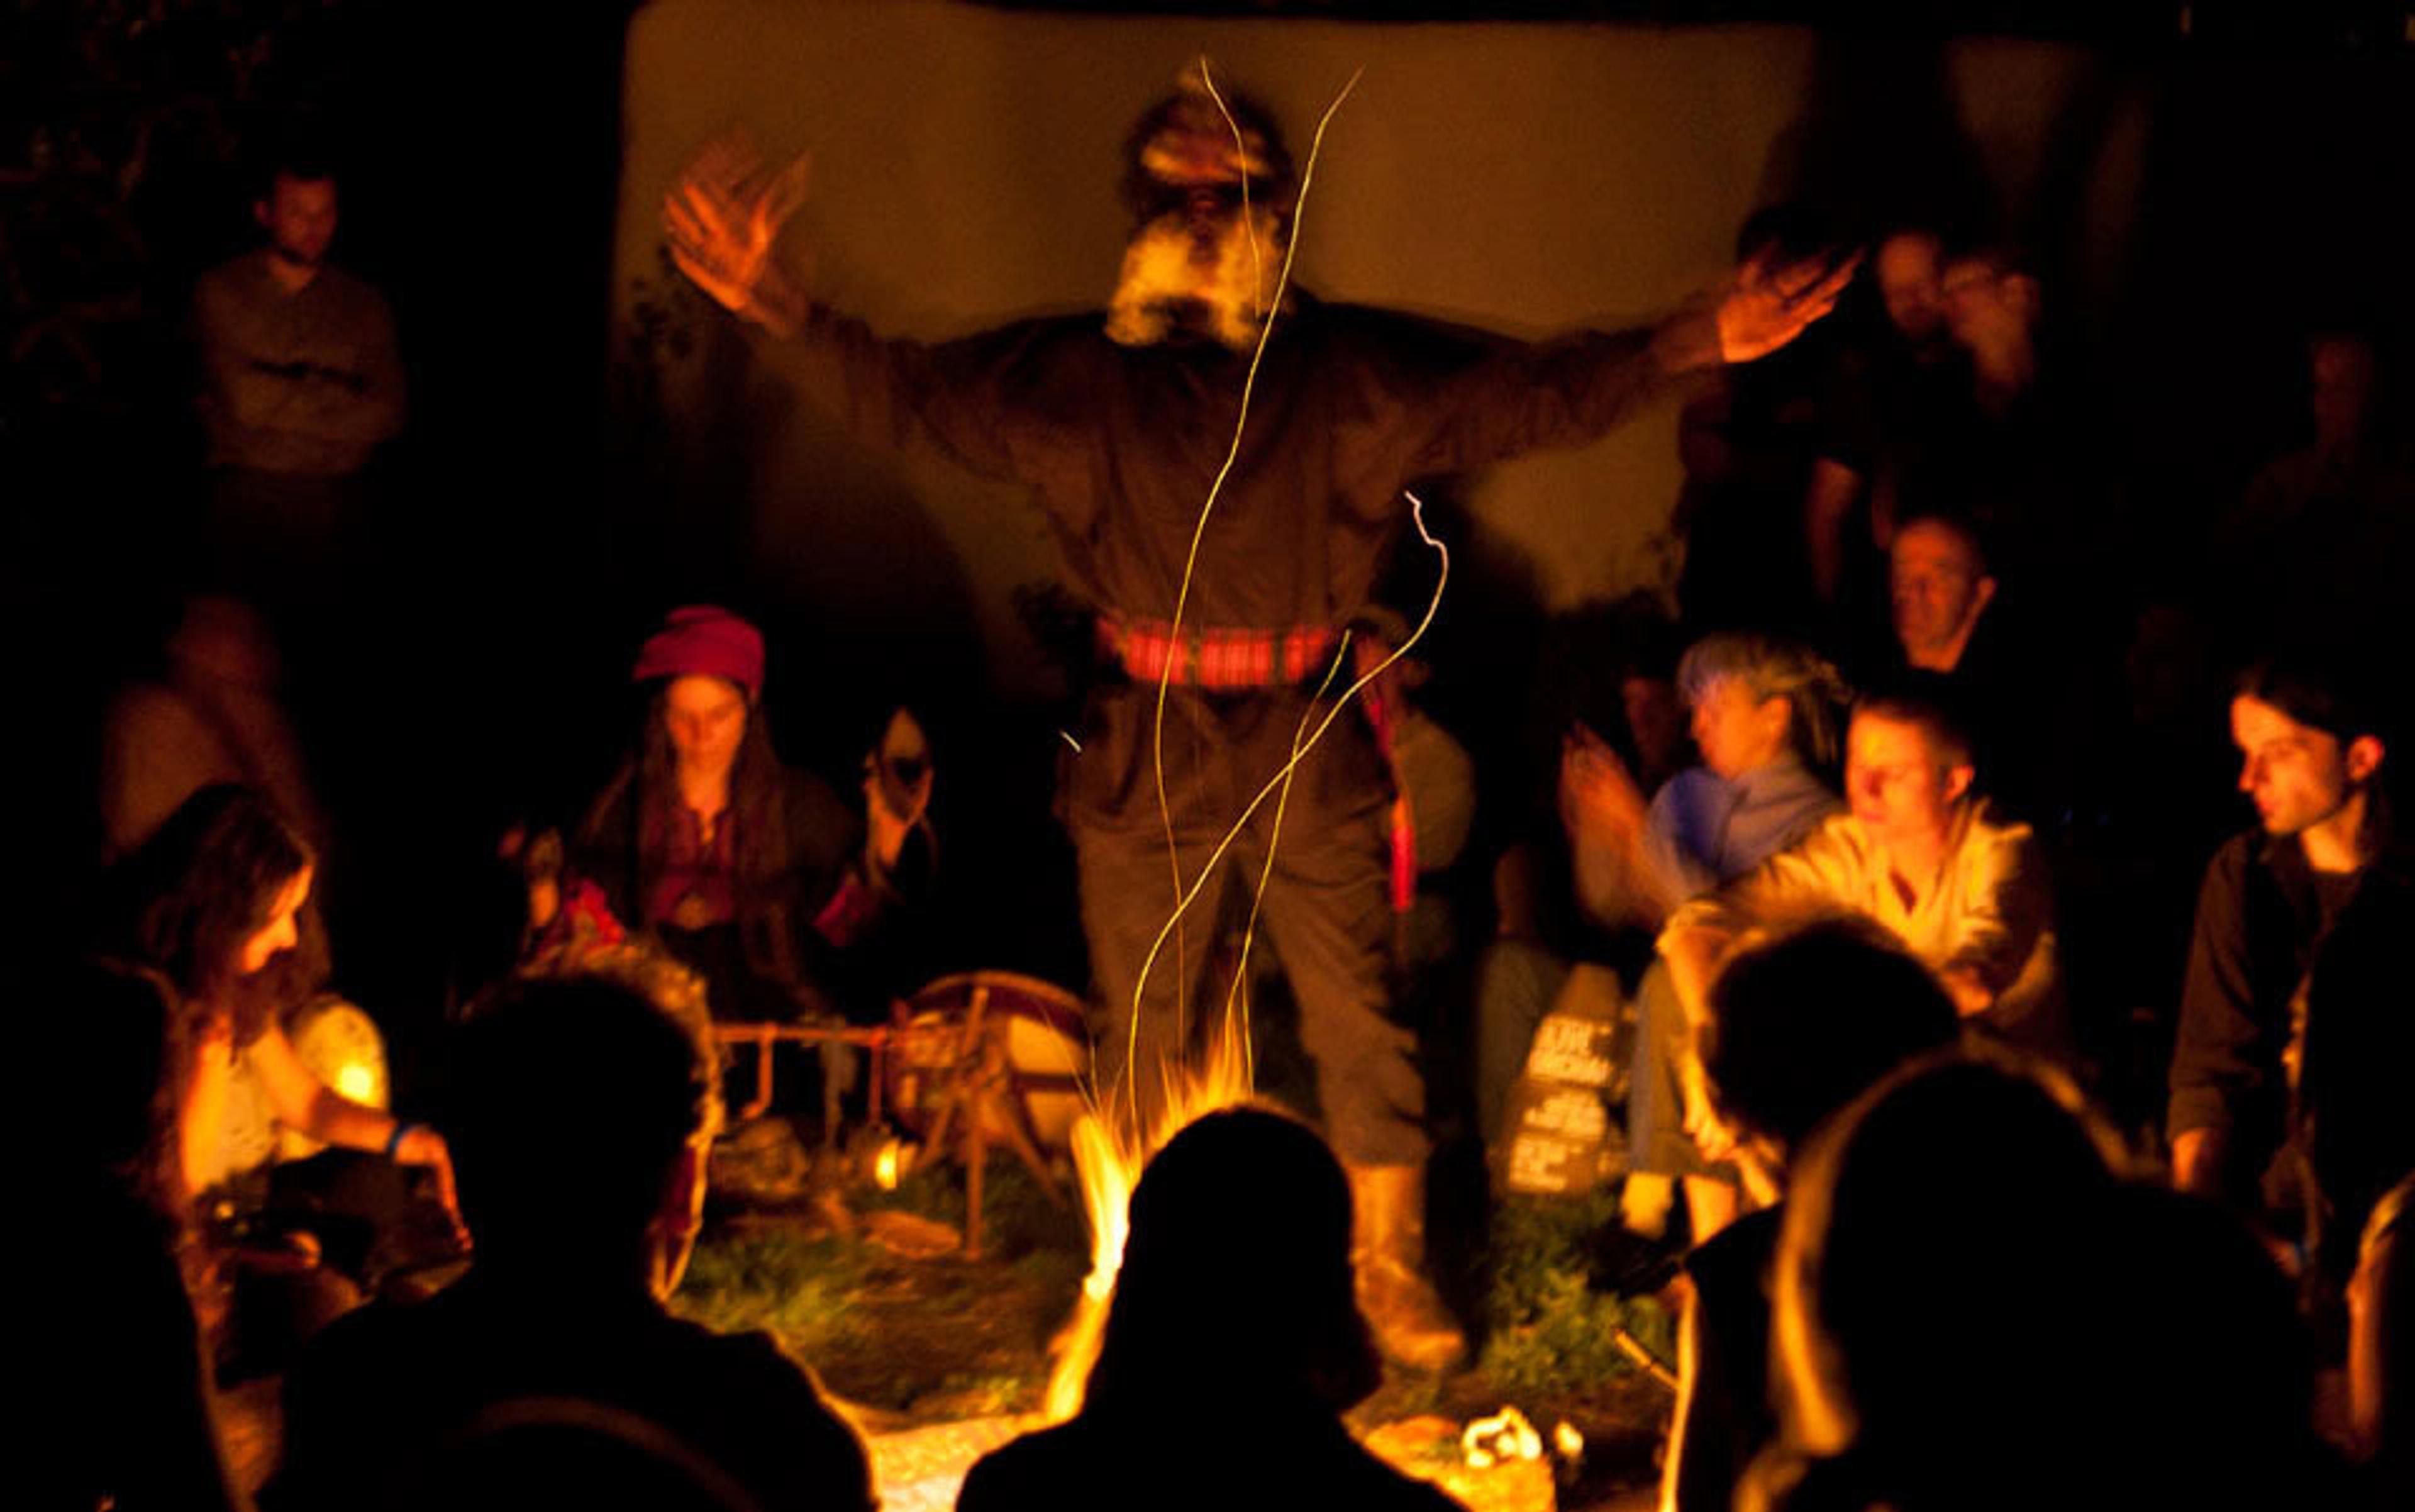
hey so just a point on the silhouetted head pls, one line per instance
(1802, 1024)
(2053, 1336)
(581, 1110)
(1235, 1288)
(2344, 381)
(1973, 1311)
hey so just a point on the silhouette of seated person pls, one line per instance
(1231, 1349)
(551, 1374)
(1800, 1025)
(2322, 529)
(124, 1416)
(1974, 1311)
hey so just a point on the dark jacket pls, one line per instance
(462, 1399)
(2265, 923)
(811, 932)
(1122, 447)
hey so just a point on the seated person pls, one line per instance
(213, 715)
(2288, 1093)
(2322, 529)
(1765, 723)
(1919, 853)
(211, 913)
(1973, 1312)
(551, 1374)
(1779, 1061)
(1948, 620)
(1232, 1326)
(125, 1414)
(751, 871)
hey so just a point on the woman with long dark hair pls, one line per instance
(752, 871)
(203, 943)
(209, 913)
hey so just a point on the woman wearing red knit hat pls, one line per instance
(753, 872)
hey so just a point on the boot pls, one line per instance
(1388, 1241)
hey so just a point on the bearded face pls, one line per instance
(1211, 196)
(1205, 274)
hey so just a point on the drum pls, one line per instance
(1009, 1049)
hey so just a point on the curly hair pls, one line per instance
(207, 881)
(183, 906)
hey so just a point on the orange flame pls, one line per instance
(1108, 1157)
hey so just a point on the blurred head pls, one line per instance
(1756, 699)
(1939, 585)
(215, 895)
(1803, 1023)
(1236, 1284)
(623, 1058)
(1908, 269)
(1908, 767)
(2345, 375)
(2310, 743)
(1992, 303)
(298, 210)
(225, 641)
(1200, 265)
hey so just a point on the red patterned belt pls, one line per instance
(1217, 657)
(1220, 657)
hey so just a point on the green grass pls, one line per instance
(1548, 1332)
(768, 1279)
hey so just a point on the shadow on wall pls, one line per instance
(1880, 141)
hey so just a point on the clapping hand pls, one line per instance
(1596, 791)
